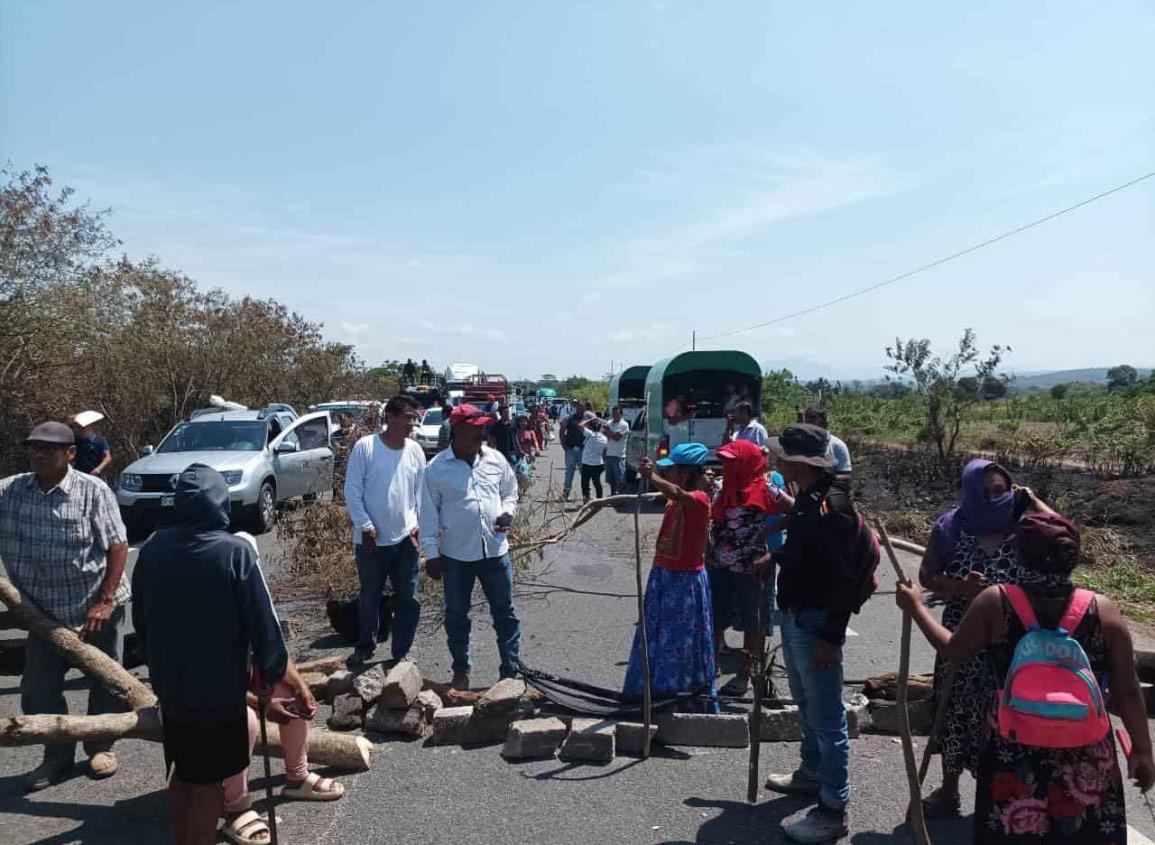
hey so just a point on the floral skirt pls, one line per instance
(1049, 796)
(681, 637)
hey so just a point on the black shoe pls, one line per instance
(359, 657)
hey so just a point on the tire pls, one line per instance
(263, 515)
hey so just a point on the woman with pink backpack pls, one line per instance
(1050, 771)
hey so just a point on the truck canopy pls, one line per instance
(628, 388)
(701, 382)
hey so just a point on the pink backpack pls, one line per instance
(1051, 698)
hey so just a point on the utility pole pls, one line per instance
(694, 340)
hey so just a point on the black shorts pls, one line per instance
(734, 596)
(206, 752)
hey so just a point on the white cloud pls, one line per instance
(466, 330)
(354, 330)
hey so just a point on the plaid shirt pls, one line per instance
(54, 545)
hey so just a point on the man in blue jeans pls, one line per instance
(816, 599)
(467, 506)
(383, 482)
(573, 440)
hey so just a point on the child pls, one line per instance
(677, 601)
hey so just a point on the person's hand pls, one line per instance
(369, 538)
(413, 538)
(763, 569)
(908, 597)
(825, 654)
(95, 471)
(281, 710)
(99, 612)
(1141, 769)
(972, 585)
(646, 469)
(305, 703)
(435, 568)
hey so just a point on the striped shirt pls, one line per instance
(54, 545)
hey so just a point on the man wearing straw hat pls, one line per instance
(816, 602)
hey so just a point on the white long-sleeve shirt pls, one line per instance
(460, 504)
(383, 488)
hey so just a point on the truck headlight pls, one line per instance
(130, 481)
(232, 477)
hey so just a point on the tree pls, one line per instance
(937, 381)
(1059, 391)
(1121, 378)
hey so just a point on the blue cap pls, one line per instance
(686, 454)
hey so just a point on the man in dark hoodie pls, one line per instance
(206, 624)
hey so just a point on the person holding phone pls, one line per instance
(468, 501)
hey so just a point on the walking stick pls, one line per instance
(914, 813)
(262, 703)
(647, 692)
(759, 691)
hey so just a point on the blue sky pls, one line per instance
(549, 187)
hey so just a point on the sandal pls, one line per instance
(941, 805)
(313, 788)
(246, 828)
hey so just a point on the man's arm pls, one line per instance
(355, 489)
(508, 489)
(104, 462)
(429, 516)
(614, 435)
(111, 536)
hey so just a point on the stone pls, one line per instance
(317, 683)
(430, 702)
(704, 730)
(534, 739)
(451, 725)
(401, 685)
(501, 698)
(589, 741)
(416, 720)
(368, 683)
(884, 716)
(885, 687)
(325, 665)
(340, 682)
(781, 724)
(348, 713)
(489, 728)
(288, 629)
(629, 737)
(857, 715)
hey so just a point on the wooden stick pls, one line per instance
(753, 776)
(914, 813)
(948, 676)
(647, 681)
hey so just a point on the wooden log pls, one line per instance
(325, 748)
(90, 660)
(907, 546)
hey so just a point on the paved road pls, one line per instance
(577, 606)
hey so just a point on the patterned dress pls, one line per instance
(964, 733)
(1049, 796)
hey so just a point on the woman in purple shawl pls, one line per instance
(971, 547)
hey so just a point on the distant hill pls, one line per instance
(1045, 381)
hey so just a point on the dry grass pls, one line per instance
(1109, 565)
(902, 524)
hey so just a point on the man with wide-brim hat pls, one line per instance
(64, 546)
(92, 453)
(815, 599)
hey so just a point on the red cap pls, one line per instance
(471, 415)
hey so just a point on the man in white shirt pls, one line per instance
(467, 506)
(383, 483)
(617, 432)
(743, 426)
(838, 449)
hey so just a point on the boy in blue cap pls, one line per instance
(679, 627)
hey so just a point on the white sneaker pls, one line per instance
(821, 824)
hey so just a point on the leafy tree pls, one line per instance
(937, 382)
(1060, 391)
(1123, 377)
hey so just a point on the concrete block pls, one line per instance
(534, 738)
(857, 714)
(704, 730)
(401, 685)
(589, 741)
(451, 725)
(884, 716)
(501, 698)
(368, 683)
(629, 737)
(340, 682)
(781, 724)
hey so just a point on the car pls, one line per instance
(428, 430)
(267, 457)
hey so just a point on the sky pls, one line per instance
(565, 187)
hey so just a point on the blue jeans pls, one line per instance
(818, 694)
(42, 686)
(399, 564)
(496, 576)
(615, 472)
(573, 460)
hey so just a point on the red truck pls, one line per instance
(479, 388)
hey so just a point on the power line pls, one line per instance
(931, 265)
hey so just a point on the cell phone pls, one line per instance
(1022, 502)
(505, 520)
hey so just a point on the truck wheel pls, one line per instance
(263, 515)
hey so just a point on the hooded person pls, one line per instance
(971, 547)
(209, 633)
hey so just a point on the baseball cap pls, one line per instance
(471, 415)
(52, 432)
(686, 454)
(803, 443)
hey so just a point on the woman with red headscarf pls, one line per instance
(737, 519)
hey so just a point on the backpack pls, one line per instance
(864, 563)
(1051, 698)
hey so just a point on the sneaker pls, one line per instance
(460, 681)
(796, 783)
(821, 824)
(46, 774)
(359, 657)
(102, 764)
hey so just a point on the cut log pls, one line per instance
(325, 749)
(91, 661)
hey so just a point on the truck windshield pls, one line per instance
(219, 436)
(432, 417)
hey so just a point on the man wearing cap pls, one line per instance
(92, 453)
(816, 601)
(64, 546)
(467, 507)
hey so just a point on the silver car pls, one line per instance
(266, 457)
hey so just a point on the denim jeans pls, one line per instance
(42, 687)
(399, 564)
(818, 694)
(496, 576)
(573, 460)
(615, 472)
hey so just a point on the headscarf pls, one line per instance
(743, 480)
(1047, 543)
(974, 514)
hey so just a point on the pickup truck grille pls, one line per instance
(157, 483)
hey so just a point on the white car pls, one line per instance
(428, 430)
